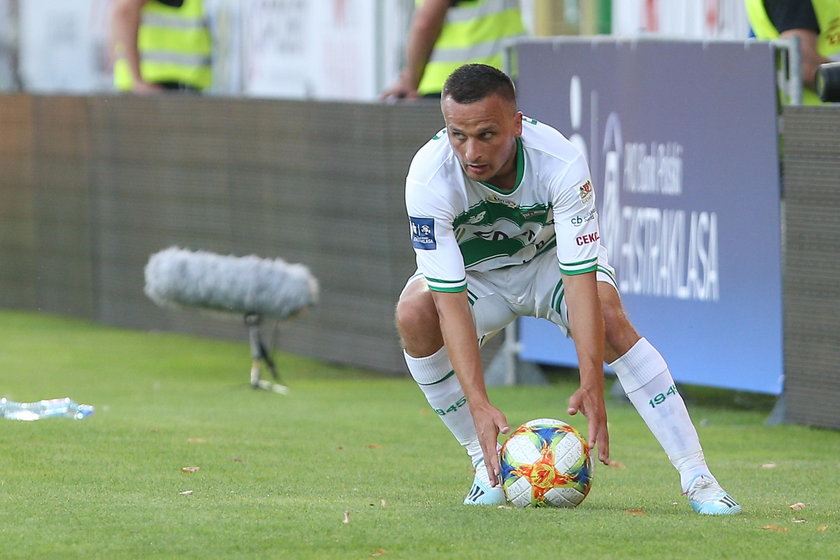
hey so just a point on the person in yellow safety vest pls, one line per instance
(815, 22)
(161, 45)
(445, 34)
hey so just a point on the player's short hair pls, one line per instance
(473, 82)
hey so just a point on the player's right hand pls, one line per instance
(489, 422)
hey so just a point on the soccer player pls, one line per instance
(503, 224)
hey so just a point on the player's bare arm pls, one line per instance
(587, 328)
(460, 338)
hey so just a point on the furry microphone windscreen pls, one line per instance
(268, 287)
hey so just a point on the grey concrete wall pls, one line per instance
(91, 186)
(812, 265)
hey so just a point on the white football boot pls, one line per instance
(481, 493)
(707, 497)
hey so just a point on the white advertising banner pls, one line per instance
(698, 19)
(328, 50)
(277, 50)
(63, 46)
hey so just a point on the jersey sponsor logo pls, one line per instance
(582, 219)
(587, 239)
(586, 193)
(423, 233)
(492, 235)
(499, 200)
(531, 214)
(478, 218)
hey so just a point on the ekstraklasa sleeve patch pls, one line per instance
(423, 233)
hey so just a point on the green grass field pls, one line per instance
(353, 464)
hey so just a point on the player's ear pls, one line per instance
(518, 124)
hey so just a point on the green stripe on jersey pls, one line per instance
(437, 285)
(581, 267)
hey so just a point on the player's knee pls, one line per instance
(416, 316)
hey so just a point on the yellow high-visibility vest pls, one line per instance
(174, 45)
(828, 41)
(474, 31)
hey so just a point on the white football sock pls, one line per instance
(646, 380)
(437, 380)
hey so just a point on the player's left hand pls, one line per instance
(591, 403)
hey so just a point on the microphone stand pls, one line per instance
(260, 355)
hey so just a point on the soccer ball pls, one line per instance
(546, 462)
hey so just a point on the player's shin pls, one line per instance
(437, 380)
(648, 383)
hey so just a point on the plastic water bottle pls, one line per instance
(48, 408)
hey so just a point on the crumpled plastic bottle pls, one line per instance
(47, 408)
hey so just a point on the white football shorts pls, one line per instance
(534, 289)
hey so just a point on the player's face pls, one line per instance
(483, 135)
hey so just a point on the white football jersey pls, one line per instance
(458, 224)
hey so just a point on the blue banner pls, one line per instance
(681, 139)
